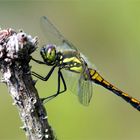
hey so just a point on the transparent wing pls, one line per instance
(71, 80)
(54, 36)
(85, 91)
(79, 86)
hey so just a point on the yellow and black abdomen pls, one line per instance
(98, 79)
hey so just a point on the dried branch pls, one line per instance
(15, 51)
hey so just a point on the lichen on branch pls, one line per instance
(15, 54)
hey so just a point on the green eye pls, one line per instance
(51, 54)
(48, 54)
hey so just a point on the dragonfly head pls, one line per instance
(48, 53)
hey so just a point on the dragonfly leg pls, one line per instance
(44, 78)
(60, 77)
(38, 61)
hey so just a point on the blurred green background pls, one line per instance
(108, 33)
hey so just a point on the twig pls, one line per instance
(15, 51)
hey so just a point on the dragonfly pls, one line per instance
(72, 64)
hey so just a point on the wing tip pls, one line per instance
(43, 18)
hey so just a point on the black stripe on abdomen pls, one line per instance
(98, 79)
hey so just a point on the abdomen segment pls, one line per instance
(98, 79)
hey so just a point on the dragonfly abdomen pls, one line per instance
(98, 79)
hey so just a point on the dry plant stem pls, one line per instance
(15, 50)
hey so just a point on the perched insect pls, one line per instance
(71, 62)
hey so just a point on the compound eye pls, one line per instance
(48, 53)
(51, 53)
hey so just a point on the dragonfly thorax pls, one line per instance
(48, 53)
(71, 60)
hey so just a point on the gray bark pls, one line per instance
(15, 51)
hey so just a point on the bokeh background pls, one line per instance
(108, 33)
